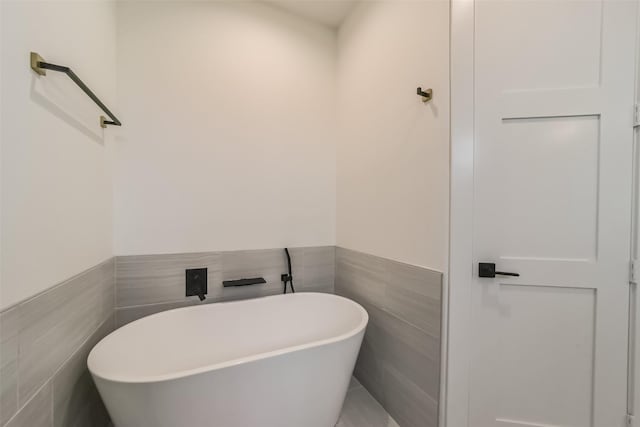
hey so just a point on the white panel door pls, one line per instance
(552, 201)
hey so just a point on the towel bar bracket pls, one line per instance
(35, 64)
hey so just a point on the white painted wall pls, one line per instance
(393, 156)
(229, 140)
(56, 189)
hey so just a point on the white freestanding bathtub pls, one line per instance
(278, 361)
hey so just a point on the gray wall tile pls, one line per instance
(414, 294)
(55, 323)
(369, 369)
(159, 279)
(410, 352)
(37, 412)
(399, 361)
(154, 279)
(41, 336)
(408, 404)
(107, 289)
(361, 277)
(316, 272)
(246, 292)
(126, 315)
(8, 364)
(76, 402)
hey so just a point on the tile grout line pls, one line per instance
(114, 303)
(408, 323)
(38, 390)
(53, 403)
(18, 357)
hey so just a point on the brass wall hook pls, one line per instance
(426, 95)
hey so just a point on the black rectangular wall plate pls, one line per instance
(486, 269)
(196, 281)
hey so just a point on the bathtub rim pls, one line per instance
(150, 379)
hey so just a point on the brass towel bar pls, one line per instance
(40, 66)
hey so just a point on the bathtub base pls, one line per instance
(300, 389)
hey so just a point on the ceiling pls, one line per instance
(326, 12)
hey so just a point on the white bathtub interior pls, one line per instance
(230, 334)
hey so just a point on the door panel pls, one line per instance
(564, 376)
(554, 90)
(558, 204)
(542, 44)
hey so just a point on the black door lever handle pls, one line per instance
(504, 273)
(488, 269)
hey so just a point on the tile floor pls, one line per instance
(362, 410)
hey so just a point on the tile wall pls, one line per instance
(399, 362)
(44, 342)
(149, 284)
